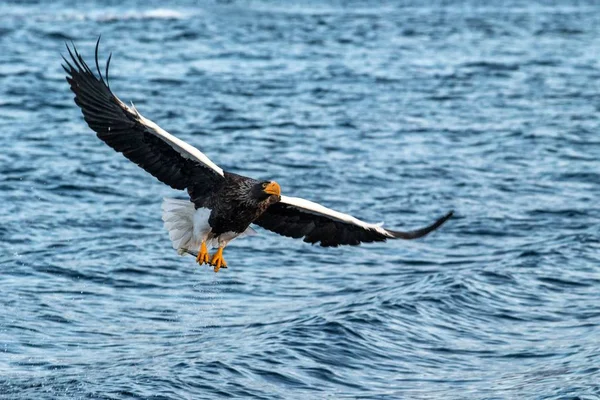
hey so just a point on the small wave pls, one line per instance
(58, 36)
(560, 31)
(561, 282)
(98, 16)
(491, 65)
(5, 31)
(279, 378)
(159, 13)
(566, 212)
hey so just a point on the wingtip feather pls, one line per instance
(419, 233)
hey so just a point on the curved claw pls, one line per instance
(218, 261)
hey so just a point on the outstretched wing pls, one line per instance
(295, 217)
(123, 128)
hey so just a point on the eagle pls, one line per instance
(222, 205)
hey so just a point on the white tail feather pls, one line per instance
(178, 216)
(188, 227)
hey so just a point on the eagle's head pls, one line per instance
(267, 190)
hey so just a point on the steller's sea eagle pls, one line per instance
(222, 205)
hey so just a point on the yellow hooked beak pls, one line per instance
(272, 188)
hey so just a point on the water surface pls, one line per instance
(393, 112)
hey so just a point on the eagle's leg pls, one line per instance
(202, 257)
(217, 260)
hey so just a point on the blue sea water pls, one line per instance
(388, 111)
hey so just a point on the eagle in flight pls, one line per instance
(222, 205)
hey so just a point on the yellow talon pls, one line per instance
(218, 261)
(202, 257)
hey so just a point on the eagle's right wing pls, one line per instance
(299, 218)
(123, 128)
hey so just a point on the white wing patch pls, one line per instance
(317, 209)
(186, 150)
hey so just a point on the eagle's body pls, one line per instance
(222, 205)
(232, 206)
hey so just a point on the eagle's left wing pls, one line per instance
(295, 217)
(123, 128)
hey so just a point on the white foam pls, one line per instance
(158, 13)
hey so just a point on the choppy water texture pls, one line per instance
(386, 111)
